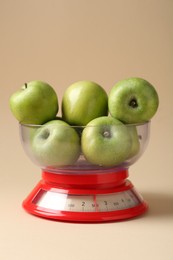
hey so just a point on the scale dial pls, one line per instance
(86, 203)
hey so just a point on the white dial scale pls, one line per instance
(87, 203)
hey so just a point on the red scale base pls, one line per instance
(85, 197)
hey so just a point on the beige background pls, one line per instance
(63, 41)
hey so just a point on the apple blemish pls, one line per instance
(45, 134)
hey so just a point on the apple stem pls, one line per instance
(106, 134)
(26, 85)
(133, 103)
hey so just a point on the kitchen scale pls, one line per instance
(86, 193)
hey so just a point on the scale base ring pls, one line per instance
(52, 201)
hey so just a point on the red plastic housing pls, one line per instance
(95, 184)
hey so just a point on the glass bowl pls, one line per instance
(60, 148)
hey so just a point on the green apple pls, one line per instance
(135, 145)
(56, 144)
(133, 100)
(84, 101)
(106, 141)
(35, 103)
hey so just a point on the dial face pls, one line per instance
(52, 200)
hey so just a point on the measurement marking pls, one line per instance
(106, 204)
(71, 206)
(87, 203)
(83, 206)
(96, 204)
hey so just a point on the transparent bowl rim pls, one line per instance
(83, 126)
